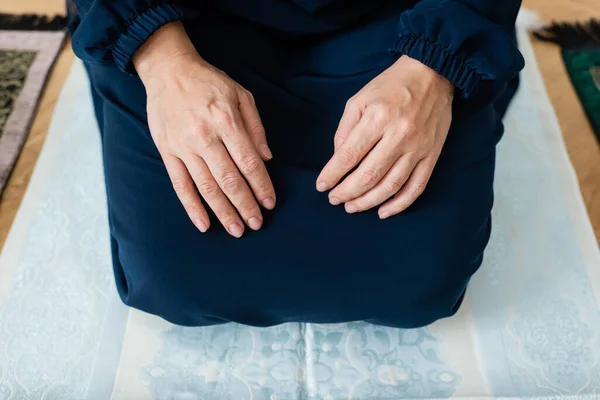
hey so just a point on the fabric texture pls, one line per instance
(427, 253)
(470, 42)
(528, 328)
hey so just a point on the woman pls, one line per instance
(309, 130)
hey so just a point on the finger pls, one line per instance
(355, 147)
(349, 119)
(213, 195)
(253, 124)
(369, 173)
(412, 189)
(186, 192)
(250, 164)
(391, 183)
(232, 183)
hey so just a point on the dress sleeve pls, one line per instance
(469, 42)
(110, 31)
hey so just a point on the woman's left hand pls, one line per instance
(394, 128)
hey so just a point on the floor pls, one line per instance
(581, 143)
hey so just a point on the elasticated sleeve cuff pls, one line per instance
(109, 32)
(141, 28)
(464, 77)
(470, 42)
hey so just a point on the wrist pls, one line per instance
(166, 49)
(426, 74)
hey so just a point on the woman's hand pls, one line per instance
(394, 130)
(208, 132)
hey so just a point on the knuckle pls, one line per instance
(229, 89)
(251, 165)
(248, 208)
(207, 188)
(348, 158)
(228, 217)
(407, 95)
(370, 177)
(393, 186)
(417, 189)
(263, 190)
(197, 131)
(193, 211)
(408, 127)
(339, 138)
(255, 126)
(351, 103)
(231, 182)
(249, 96)
(206, 143)
(222, 116)
(180, 186)
(402, 205)
(380, 112)
(200, 127)
(188, 137)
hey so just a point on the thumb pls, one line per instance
(253, 124)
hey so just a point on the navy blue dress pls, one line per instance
(302, 60)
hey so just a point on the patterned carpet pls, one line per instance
(28, 47)
(14, 66)
(580, 49)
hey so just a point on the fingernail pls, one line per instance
(201, 225)
(384, 214)
(236, 230)
(269, 203)
(254, 223)
(351, 208)
(321, 186)
(265, 151)
(334, 201)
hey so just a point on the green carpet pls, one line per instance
(14, 66)
(29, 44)
(580, 45)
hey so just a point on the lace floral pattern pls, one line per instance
(53, 314)
(341, 361)
(557, 342)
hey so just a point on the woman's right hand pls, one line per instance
(208, 132)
